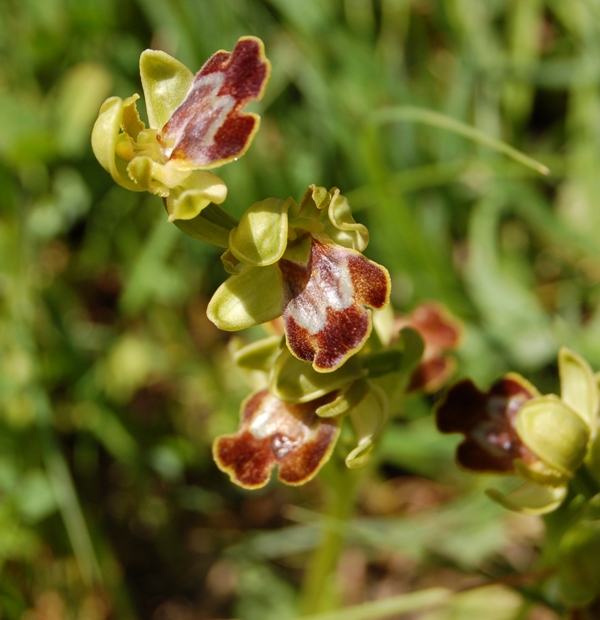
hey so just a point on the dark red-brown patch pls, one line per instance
(291, 436)
(430, 375)
(371, 281)
(487, 420)
(345, 331)
(334, 333)
(441, 333)
(244, 73)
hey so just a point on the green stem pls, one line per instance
(318, 589)
(585, 483)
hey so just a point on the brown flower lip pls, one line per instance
(273, 433)
(487, 420)
(208, 128)
(325, 303)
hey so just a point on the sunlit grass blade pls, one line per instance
(435, 119)
(66, 497)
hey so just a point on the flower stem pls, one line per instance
(585, 483)
(318, 590)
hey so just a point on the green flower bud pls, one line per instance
(553, 432)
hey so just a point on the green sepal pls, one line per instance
(530, 498)
(212, 226)
(368, 418)
(188, 200)
(346, 400)
(553, 432)
(293, 380)
(131, 123)
(166, 82)
(106, 134)
(249, 298)
(259, 355)
(579, 389)
(342, 228)
(260, 238)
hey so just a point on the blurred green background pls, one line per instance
(112, 381)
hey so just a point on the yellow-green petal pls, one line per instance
(105, 137)
(249, 298)
(261, 237)
(343, 229)
(579, 389)
(166, 82)
(131, 122)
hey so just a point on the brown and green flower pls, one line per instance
(273, 433)
(513, 429)
(303, 262)
(195, 123)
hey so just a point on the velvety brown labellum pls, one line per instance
(208, 128)
(487, 420)
(272, 433)
(324, 301)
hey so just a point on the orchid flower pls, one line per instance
(195, 123)
(513, 429)
(303, 262)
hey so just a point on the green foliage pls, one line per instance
(113, 383)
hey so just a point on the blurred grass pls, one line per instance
(113, 383)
